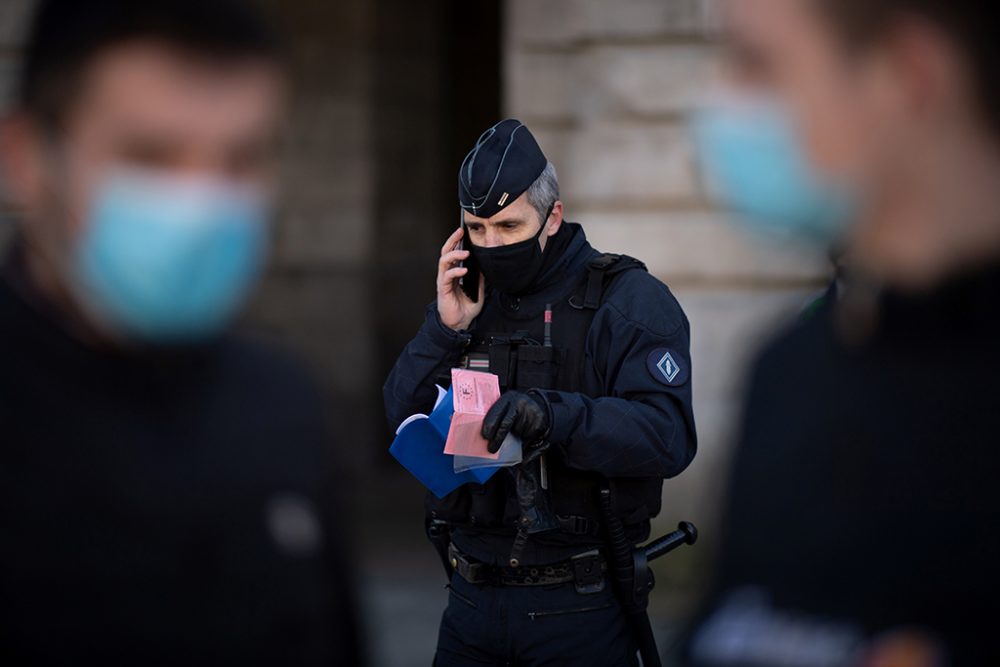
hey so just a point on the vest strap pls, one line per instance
(598, 271)
(595, 289)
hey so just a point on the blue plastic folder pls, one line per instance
(419, 447)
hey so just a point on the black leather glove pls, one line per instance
(517, 413)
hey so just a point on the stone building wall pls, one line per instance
(606, 86)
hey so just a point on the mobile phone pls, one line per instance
(470, 281)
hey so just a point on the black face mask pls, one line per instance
(511, 269)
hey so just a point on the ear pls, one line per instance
(555, 220)
(21, 161)
(931, 70)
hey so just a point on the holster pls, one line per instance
(439, 533)
(536, 515)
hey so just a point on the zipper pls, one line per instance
(562, 612)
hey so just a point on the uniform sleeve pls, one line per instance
(643, 425)
(410, 387)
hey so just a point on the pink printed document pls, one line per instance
(474, 395)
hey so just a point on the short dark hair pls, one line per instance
(66, 35)
(972, 24)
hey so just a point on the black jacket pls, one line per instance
(864, 495)
(628, 420)
(162, 507)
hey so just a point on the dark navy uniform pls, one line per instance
(616, 383)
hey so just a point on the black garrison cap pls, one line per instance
(504, 163)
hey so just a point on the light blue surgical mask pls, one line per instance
(169, 259)
(755, 166)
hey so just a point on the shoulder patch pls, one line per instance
(665, 367)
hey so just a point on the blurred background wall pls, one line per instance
(389, 96)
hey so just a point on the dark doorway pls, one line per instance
(438, 85)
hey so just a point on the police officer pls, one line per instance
(593, 359)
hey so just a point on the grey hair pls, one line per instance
(544, 192)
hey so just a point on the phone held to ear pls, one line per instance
(470, 281)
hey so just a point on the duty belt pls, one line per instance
(585, 570)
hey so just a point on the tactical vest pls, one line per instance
(511, 342)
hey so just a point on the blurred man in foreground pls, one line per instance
(164, 486)
(861, 525)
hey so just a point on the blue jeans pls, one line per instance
(533, 626)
